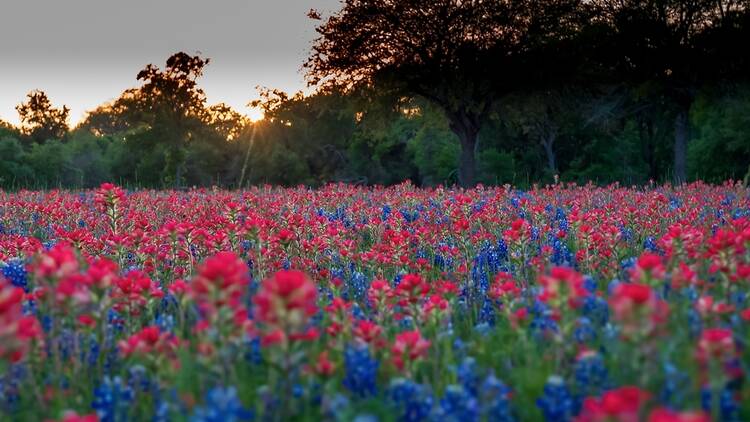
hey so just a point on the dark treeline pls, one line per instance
(438, 92)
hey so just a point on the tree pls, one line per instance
(543, 116)
(40, 120)
(124, 114)
(679, 45)
(174, 107)
(460, 55)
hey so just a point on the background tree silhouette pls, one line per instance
(40, 120)
(460, 55)
(670, 49)
(174, 107)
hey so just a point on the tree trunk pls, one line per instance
(466, 128)
(548, 142)
(468, 165)
(681, 137)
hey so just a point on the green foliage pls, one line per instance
(721, 148)
(13, 168)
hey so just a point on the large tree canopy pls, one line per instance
(673, 48)
(460, 55)
(40, 120)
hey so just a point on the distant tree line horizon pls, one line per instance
(440, 93)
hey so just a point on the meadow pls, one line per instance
(559, 303)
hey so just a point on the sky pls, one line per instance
(83, 53)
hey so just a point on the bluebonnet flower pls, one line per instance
(165, 322)
(334, 406)
(459, 348)
(487, 313)
(728, 406)
(483, 329)
(695, 322)
(112, 400)
(413, 401)
(138, 379)
(357, 286)
(584, 331)
(556, 402)
(458, 405)
(386, 212)
(596, 309)
(222, 405)
(591, 375)
(650, 245)
(541, 322)
(9, 386)
(495, 403)
(409, 217)
(14, 271)
(674, 203)
(675, 387)
(468, 375)
(361, 371)
(626, 233)
(561, 254)
(253, 351)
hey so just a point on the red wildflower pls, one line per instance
(368, 332)
(60, 261)
(16, 330)
(150, 340)
(638, 308)
(222, 280)
(285, 303)
(379, 293)
(411, 289)
(717, 343)
(621, 405)
(666, 415)
(504, 286)
(324, 367)
(102, 272)
(108, 195)
(563, 284)
(75, 417)
(408, 347)
(649, 267)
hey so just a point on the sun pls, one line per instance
(254, 114)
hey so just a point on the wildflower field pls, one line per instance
(344, 303)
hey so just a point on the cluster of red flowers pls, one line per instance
(148, 341)
(638, 308)
(284, 305)
(625, 404)
(16, 329)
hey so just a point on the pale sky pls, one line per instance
(83, 53)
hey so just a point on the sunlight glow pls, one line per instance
(254, 114)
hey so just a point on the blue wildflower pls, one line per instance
(14, 271)
(458, 405)
(413, 401)
(495, 403)
(112, 400)
(361, 371)
(222, 405)
(556, 402)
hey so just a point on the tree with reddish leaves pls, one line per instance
(460, 55)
